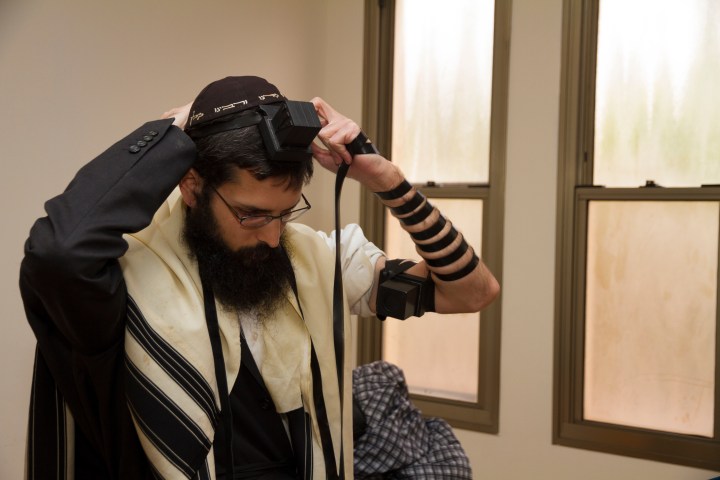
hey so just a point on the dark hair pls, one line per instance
(221, 153)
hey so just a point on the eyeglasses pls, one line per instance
(257, 221)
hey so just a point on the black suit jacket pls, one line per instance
(75, 300)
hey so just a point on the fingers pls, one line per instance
(172, 112)
(325, 157)
(180, 114)
(336, 134)
(324, 110)
(337, 130)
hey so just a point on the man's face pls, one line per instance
(249, 196)
(248, 268)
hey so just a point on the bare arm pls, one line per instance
(462, 281)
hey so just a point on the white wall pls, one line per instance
(75, 75)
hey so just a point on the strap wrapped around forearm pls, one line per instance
(410, 205)
(463, 272)
(431, 231)
(418, 216)
(397, 192)
(454, 256)
(439, 244)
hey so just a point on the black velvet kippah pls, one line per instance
(229, 96)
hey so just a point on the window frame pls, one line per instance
(575, 191)
(482, 415)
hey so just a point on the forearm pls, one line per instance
(462, 281)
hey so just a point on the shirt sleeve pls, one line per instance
(358, 257)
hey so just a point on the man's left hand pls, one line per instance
(371, 170)
(180, 114)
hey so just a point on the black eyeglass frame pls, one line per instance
(284, 218)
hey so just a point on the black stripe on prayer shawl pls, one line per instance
(172, 362)
(331, 471)
(204, 473)
(174, 434)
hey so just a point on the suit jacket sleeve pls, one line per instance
(70, 275)
(72, 286)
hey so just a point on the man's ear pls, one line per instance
(190, 187)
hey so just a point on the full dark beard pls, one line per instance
(250, 279)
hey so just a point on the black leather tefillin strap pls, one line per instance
(360, 145)
(397, 192)
(339, 314)
(394, 267)
(220, 376)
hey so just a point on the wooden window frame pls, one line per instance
(483, 414)
(575, 191)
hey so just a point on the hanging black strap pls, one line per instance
(360, 145)
(220, 375)
(338, 310)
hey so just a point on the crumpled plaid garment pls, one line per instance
(398, 443)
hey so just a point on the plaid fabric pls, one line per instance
(398, 442)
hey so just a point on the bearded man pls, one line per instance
(188, 332)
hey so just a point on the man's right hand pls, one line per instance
(181, 115)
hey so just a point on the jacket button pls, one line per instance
(266, 404)
(148, 138)
(140, 143)
(134, 149)
(153, 133)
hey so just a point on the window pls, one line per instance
(638, 234)
(435, 104)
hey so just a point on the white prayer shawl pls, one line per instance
(172, 392)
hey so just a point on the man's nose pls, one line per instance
(271, 232)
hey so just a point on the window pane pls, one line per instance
(438, 353)
(442, 85)
(650, 314)
(657, 112)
